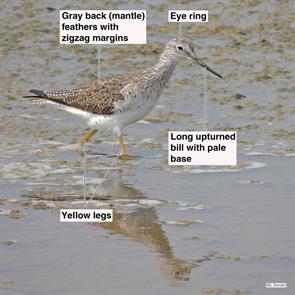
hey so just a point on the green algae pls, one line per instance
(16, 214)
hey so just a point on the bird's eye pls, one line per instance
(179, 48)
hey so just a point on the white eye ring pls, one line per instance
(179, 48)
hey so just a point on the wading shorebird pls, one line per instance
(114, 102)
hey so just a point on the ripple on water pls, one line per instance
(217, 169)
(183, 222)
(220, 291)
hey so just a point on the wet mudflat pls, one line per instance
(177, 230)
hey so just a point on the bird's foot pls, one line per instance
(124, 156)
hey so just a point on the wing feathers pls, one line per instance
(98, 97)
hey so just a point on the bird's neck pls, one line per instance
(165, 63)
(164, 69)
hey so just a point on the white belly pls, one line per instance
(114, 123)
(139, 109)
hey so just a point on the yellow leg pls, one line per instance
(123, 149)
(87, 136)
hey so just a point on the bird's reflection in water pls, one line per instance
(143, 226)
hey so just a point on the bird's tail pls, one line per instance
(39, 97)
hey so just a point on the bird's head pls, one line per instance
(180, 48)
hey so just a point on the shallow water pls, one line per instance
(177, 230)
